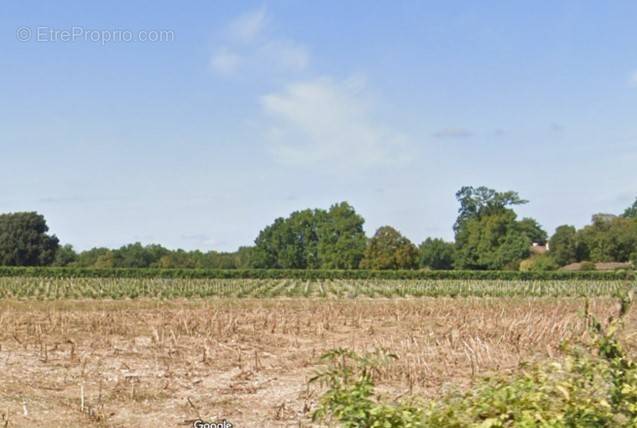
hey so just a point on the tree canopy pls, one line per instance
(488, 235)
(388, 249)
(631, 211)
(332, 239)
(564, 246)
(483, 201)
(24, 240)
(494, 241)
(341, 238)
(437, 254)
(608, 238)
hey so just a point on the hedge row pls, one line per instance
(51, 272)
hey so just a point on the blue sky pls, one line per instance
(244, 112)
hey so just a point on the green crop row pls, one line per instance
(170, 288)
(56, 272)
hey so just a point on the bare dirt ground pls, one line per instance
(147, 363)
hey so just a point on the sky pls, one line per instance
(195, 124)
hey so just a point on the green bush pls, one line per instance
(309, 274)
(595, 385)
(538, 263)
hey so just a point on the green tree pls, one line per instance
(488, 236)
(65, 256)
(290, 243)
(341, 238)
(24, 240)
(220, 260)
(514, 248)
(532, 229)
(312, 239)
(493, 241)
(105, 261)
(388, 249)
(482, 201)
(437, 254)
(609, 238)
(268, 245)
(243, 257)
(179, 259)
(89, 258)
(631, 211)
(563, 245)
(138, 256)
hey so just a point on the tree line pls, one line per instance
(488, 236)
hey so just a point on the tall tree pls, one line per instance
(267, 246)
(488, 236)
(563, 245)
(609, 238)
(341, 238)
(388, 249)
(312, 239)
(24, 240)
(493, 241)
(289, 243)
(482, 201)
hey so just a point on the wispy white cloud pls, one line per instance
(285, 54)
(632, 80)
(249, 44)
(325, 120)
(225, 61)
(321, 119)
(247, 27)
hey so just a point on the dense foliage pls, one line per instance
(538, 263)
(609, 238)
(24, 240)
(312, 239)
(150, 256)
(631, 211)
(437, 254)
(388, 249)
(564, 245)
(595, 385)
(488, 236)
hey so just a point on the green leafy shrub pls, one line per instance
(538, 263)
(309, 274)
(595, 385)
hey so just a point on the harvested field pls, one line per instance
(148, 363)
